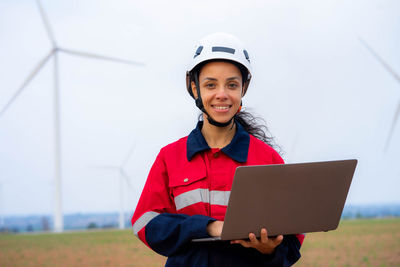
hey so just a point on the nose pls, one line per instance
(221, 93)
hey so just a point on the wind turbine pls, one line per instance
(397, 78)
(53, 53)
(122, 176)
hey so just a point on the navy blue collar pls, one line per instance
(237, 148)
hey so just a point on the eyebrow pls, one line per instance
(229, 79)
(233, 78)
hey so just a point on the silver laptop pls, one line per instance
(286, 198)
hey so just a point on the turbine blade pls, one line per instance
(128, 155)
(27, 80)
(91, 55)
(123, 173)
(396, 116)
(46, 24)
(385, 65)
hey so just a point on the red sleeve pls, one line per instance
(155, 198)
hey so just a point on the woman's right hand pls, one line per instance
(214, 229)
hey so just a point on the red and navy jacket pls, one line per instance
(187, 188)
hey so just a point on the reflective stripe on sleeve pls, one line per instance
(143, 220)
(201, 195)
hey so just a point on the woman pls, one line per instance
(187, 190)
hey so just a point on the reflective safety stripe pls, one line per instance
(192, 197)
(201, 195)
(220, 197)
(143, 220)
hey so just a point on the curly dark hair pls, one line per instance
(255, 126)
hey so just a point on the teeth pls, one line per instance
(217, 107)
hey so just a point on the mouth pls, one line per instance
(221, 108)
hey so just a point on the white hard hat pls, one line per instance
(220, 46)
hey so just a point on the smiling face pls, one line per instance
(221, 89)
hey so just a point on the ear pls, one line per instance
(194, 90)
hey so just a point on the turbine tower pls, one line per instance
(122, 176)
(397, 78)
(54, 53)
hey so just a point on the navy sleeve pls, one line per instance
(286, 254)
(167, 232)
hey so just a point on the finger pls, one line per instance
(278, 240)
(243, 243)
(253, 239)
(264, 235)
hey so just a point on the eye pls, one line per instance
(210, 85)
(233, 85)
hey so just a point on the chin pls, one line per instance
(222, 120)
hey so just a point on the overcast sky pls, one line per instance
(323, 95)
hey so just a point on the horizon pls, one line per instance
(363, 205)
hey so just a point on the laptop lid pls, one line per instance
(287, 198)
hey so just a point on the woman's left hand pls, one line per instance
(265, 245)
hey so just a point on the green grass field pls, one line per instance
(373, 242)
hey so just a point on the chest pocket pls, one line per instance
(188, 190)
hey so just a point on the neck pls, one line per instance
(218, 137)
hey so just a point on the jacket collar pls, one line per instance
(237, 149)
